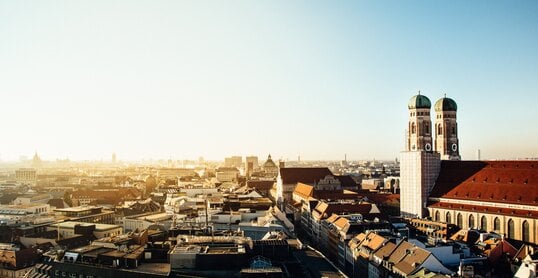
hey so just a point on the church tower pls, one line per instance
(446, 129)
(419, 163)
(419, 132)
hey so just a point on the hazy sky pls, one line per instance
(320, 79)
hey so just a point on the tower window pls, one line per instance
(439, 130)
(453, 130)
(413, 128)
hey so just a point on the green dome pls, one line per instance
(419, 101)
(445, 104)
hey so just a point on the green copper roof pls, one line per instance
(419, 101)
(446, 104)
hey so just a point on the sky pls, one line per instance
(316, 79)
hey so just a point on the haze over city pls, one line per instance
(148, 79)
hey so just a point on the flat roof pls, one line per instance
(155, 217)
(152, 268)
(77, 209)
(72, 224)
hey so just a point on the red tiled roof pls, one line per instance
(513, 182)
(323, 209)
(304, 175)
(304, 190)
(485, 209)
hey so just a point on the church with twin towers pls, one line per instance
(424, 150)
(499, 196)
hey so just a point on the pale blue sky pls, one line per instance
(182, 79)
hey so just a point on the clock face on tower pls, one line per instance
(454, 147)
(428, 147)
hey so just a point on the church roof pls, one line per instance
(419, 101)
(304, 175)
(514, 182)
(445, 104)
(269, 163)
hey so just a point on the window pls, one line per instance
(525, 231)
(497, 225)
(471, 221)
(437, 216)
(484, 223)
(427, 128)
(439, 129)
(413, 128)
(459, 220)
(447, 218)
(511, 233)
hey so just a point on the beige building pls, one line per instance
(26, 175)
(70, 228)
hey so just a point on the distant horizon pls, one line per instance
(261, 159)
(317, 79)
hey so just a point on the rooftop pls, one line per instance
(511, 182)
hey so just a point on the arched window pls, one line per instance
(459, 220)
(511, 233)
(439, 129)
(484, 223)
(447, 218)
(413, 128)
(453, 130)
(437, 216)
(471, 221)
(525, 236)
(497, 224)
(427, 128)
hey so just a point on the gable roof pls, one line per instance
(414, 258)
(513, 182)
(385, 251)
(304, 190)
(399, 253)
(341, 223)
(304, 175)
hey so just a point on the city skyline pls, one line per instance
(317, 80)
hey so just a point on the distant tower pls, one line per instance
(446, 129)
(478, 154)
(114, 158)
(419, 164)
(419, 135)
(36, 161)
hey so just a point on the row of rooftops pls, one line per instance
(403, 258)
